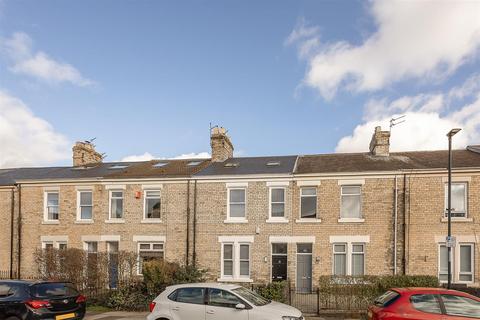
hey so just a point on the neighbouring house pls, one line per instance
(253, 219)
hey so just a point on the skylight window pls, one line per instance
(118, 166)
(230, 165)
(273, 163)
(194, 163)
(160, 164)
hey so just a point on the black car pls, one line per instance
(25, 300)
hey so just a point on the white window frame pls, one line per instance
(455, 258)
(110, 197)
(151, 243)
(236, 219)
(445, 215)
(308, 196)
(360, 195)
(236, 242)
(349, 256)
(223, 275)
(145, 198)
(79, 205)
(344, 253)
(46, 206)
(271, 203)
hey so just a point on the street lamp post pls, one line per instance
(449, 204)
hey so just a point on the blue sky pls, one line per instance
(284, 77)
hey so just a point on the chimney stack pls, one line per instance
(380, 144)
(84, 153)
(222, 147)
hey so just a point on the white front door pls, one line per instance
(221, 306)
(189, 304)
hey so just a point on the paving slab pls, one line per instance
(114, 315)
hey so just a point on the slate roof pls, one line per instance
(364, 162)
(144, 169)
(250, 165)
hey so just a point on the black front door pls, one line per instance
(279, 261)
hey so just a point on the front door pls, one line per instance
(279, 261)
(304, 267)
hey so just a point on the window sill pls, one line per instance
(276, 220)
(458, 219)
(115, 221)
(84, 222)
(308, 220)
(235, 221)
(234, 280)
(352, 220)
(50, 222)
(151, 221)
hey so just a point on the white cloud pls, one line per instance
(413, 39)
(428, 119)
(25, 139)
(148, 156)
(38, 64)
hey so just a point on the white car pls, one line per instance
(213, 301)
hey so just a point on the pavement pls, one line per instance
(142, 315)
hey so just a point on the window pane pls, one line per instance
(351, 190)
(304, 248)
(309, 207)
(228, 251)
(191, 295)
(52, 199)
(350, 207)
(279, 248)
(465, 259)
(153, 194)
(443, 259)
(237, 210)
(461, 306)
(458, 197)
(153, 208)
(92, 247)
(357, 265)
(244, 252)
(278, 209)
(426, 303)
(144, 246)
(228, 268)
(357, 248)
(244, 268)
(85, 198)
(465, 277)
(117, 194)
(237, 195)
(117, 208)
(222, 298)
(53, 213)
(278, 195)
(340, 248)
(309, 191)
(340, 265)
(158, 246)
(86, 212)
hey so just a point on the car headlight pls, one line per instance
(292, 318)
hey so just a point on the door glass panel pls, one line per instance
(461, 306)
(426, 303)
(304, 248)
(279, 248)
(222, 298)
(191, 295)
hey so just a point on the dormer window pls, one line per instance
(194, 163)
(273, 164)
(160, 164)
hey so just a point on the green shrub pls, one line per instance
(133, 297)
(277, 291)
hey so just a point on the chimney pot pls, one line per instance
(380, 143)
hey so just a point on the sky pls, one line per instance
(147, 78)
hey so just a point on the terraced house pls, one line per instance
(254, 219)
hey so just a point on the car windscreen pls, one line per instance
(386, 299)
(251, 296)
(52, 290)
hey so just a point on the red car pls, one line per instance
(424, 304)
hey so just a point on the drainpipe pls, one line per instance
(188, 224)
(194, 258)
(12, 217)
(19, 249)
(404, 259)
(395, 229)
